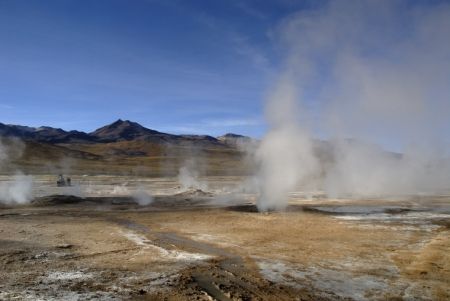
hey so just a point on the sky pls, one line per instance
(208, 67)
(200, 67)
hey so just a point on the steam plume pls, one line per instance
(188, 176)
(285, 144)
(142, 197)
(19, 189)
(360, 74)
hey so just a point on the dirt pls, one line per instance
(185, 247)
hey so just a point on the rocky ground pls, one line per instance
(203, 245)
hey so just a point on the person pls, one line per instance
(61, 181)
(69, 181)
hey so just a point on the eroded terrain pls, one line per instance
(203, 245)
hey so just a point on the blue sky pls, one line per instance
(206, 67)
(175, 66)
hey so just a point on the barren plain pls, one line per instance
(93, 241)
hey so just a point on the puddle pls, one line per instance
(422, 218)
(360, 209)
(410, 217)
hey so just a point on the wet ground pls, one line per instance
(196, 245)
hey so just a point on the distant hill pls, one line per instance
(234, 139)
(43, 134)
(121, 130)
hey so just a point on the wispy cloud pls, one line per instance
(244, 47)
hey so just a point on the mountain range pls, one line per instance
(126, 147)
(122, 147)
(120, 130)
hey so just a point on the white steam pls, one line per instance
(18, 190)
(189, 176)
(142, 197)
(286, 143)
(137, 192)
(360, 74)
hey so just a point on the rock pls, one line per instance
(64, 246)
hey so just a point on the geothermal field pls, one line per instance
(262, 150)
(131, 238)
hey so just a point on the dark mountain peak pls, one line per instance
(119, 123)
(122, 130)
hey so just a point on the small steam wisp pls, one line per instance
(142, 197)
(188, 176)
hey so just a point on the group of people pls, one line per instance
(63, 181)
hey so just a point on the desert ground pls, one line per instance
(93, 241)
